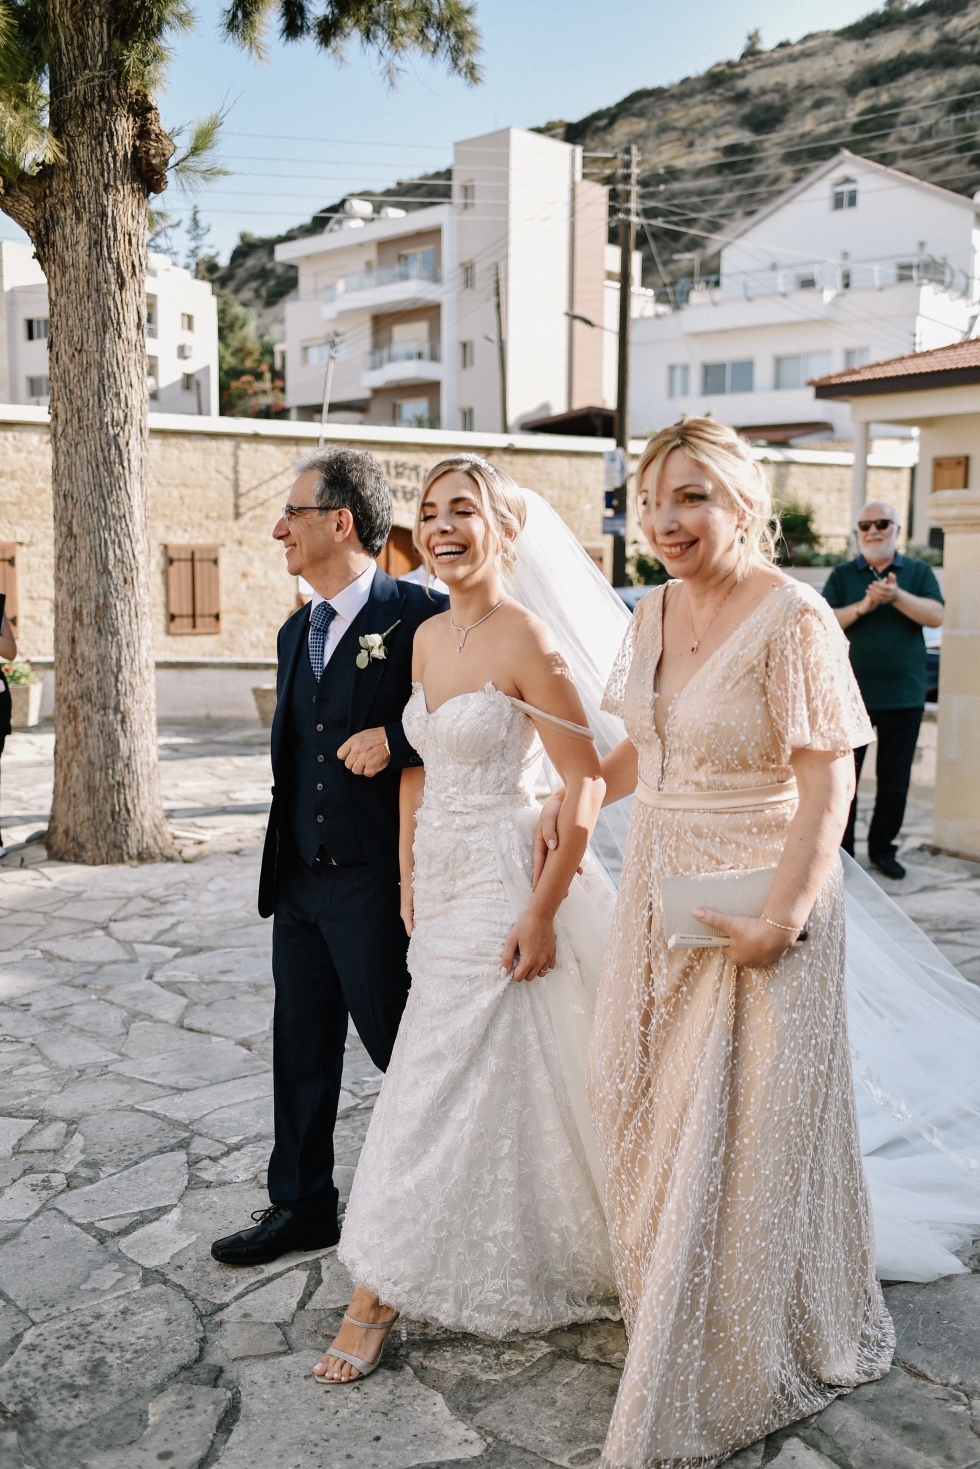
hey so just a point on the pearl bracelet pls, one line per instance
(786, 928)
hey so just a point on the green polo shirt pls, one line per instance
(888, 651)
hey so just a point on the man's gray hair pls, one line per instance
(352, 481)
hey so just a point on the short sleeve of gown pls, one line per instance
(612, 698)
(811, 690)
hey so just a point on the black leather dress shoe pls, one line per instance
(277, 1231)
(889, 866)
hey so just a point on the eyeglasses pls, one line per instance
(289, 511)
(878, 524)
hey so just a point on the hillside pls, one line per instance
(901, 85)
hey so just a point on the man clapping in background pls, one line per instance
(883, 600)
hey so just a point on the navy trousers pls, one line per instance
(338, 951)
(898, 732)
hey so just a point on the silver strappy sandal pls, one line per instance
(364, 1368)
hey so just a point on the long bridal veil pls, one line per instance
(914, 1021)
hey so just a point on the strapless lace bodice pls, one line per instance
(479, 750)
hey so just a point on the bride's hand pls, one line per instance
(754, 943)
(531, 943)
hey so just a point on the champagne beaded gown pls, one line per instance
(735, 1195)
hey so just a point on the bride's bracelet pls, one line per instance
(786, 927)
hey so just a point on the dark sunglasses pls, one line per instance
(878, 524)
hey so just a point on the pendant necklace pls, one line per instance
(465, 630)
(699, 640)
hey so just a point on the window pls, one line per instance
(187, 382)
(467, 196)
(417, 265)
(466, 420)
(807, 281)
(186, 322)
(795, 372)
(193, 603)
(950, 473)
(727, 377)
(468, 271)
(8, 579)
(153, 377)
(412, 413)
(855, 357)
(38, 387)
(846, 194)
(466, 354)
(151, 316)
(844, 278)
(678, 381)
(320, 352)
(36, 328)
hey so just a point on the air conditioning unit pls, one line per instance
(185, 350)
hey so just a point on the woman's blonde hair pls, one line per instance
(723, 454)
(501, 504)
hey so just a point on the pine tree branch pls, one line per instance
(20, 199)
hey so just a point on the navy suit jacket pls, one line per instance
(378, 695)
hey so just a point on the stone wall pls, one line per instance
(223, 481)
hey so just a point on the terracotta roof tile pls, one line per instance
(960, 356)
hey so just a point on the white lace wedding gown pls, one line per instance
(475, 1204)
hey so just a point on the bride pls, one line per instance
(475, 1204)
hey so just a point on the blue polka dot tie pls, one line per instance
(320, 619)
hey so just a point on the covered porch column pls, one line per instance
(956, 815)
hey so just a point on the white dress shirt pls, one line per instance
(346, 605)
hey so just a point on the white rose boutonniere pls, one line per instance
(373, 646)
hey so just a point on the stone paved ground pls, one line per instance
(135, 1117)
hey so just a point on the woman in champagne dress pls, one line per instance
(720, 1079)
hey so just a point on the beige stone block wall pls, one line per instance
(25, 518)
(228, 488)
(826, 490)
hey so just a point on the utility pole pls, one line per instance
(332, 341)
(627, 244)
(501, 347)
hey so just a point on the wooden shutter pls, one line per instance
(193, 589)
(950, 473)
(398, 555)
(8, 579)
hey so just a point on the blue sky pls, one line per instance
(301, 129)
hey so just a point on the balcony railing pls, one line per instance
(367, 280)
(402, 352)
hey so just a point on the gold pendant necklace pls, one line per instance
(465, 630)
(699, 640)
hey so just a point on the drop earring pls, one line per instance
(741, 539)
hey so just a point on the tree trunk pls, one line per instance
(91, 242)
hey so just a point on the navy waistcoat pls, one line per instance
(320, 805)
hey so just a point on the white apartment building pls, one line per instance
(856, 262)
(181, 334)
(412, 297)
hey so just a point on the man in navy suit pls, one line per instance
(330, 865)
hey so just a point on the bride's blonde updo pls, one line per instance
(501, 504)
(723, 454)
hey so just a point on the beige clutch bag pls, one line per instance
(741, 893)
